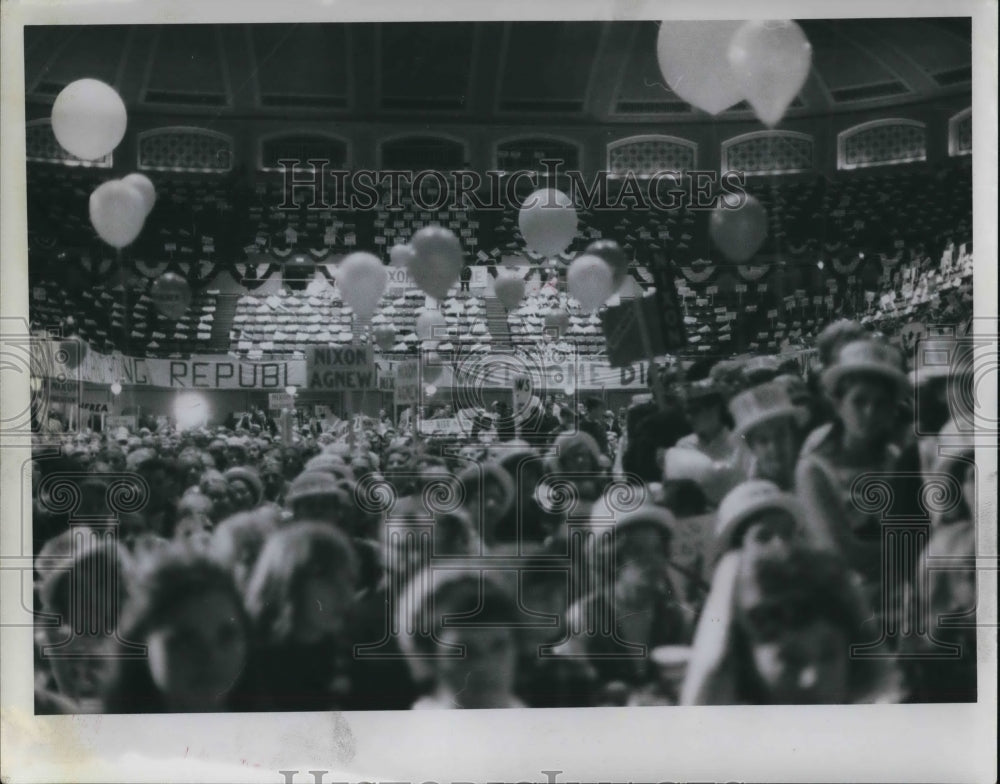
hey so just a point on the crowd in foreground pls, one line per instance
(747, 563)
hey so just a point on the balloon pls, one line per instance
(400, 255)
(117, 213)
(558, 320)
(362, 280)
(613, 256)
(430, 325)
(437, 261)
(144, 185)
(770, 61)
(590, 281)
(171, 294)
(692, 57)
(739, 232)
(88, 119)
(385, 337)
(509, 289)
(548, 221)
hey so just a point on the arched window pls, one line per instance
(183, 149)
(41, 146)
(302, 147)
(526, 153)
(882, 142)
(769, 152)
(960, 133)
(421, 153)
(647, 155)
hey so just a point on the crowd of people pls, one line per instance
(243, 572)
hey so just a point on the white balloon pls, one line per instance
(770, 62)
(400, 255)
(144, 185)
(88, 119)
(509, 289)
(437, 260)
(117, 213)
(694, 63)
(430, 325)
(547, 221)
(362, 281)
(590, 281)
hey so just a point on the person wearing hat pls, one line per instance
(488, 497)
(486, 675)
(757, 518)
(705, 406)
(526, 520)
(778, 630)
(864, 386)
(316, 495)
(245, 487)
(769, 423)
(643, 600)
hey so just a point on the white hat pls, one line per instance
(763, 403)
(867, 356)
(746, 500)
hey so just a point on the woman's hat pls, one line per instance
(763, 403)
(867, 356)
(746, 500)
(309, 484)
(648, 515)
(248, 475)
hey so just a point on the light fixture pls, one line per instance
(116, 389)
(820, 264)
(291, 391)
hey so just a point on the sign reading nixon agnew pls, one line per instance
(340, 368)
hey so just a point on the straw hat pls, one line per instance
(867, 356)
(763, 403)
(746, 500)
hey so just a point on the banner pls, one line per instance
(340, 369)
(276, 401)
(399, 281)
(407, 382)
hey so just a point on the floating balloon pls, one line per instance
(385, 337)
(558, 320)
(692, 57)
(437, 261)
(117, 213)
(613, 255)
(362, 280)
(88, 119)
(400, 255)
(509, 289)
(430, 325)
(770, 61)
(171, 294)
(590, 281)
(144, 185)
(548, 221)
(739, 232)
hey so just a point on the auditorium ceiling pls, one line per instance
(518, 72)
